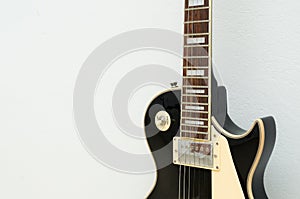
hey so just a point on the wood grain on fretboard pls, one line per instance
(195, 107)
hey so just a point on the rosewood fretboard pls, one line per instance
(196, 91)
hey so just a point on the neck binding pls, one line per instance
(197, 62)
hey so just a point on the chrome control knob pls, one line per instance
(162, 120)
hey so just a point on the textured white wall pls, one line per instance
(43, 44)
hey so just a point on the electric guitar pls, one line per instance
(209, 156)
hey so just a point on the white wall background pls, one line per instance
(43, 44)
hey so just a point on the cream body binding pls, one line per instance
(225, 182)
(261, 127)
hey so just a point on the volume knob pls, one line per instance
(163, 120)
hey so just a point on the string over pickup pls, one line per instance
(196, 153)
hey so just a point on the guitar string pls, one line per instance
(209, 71)
(188, 30)
(179, 146)
(191, 54)
(190, 18)
(203, 160)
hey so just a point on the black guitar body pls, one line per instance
(171, 182)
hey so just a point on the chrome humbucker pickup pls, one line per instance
(196, 153)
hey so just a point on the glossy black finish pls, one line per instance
(243, 151)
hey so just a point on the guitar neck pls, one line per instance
(197, 64)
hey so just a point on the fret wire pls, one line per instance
(205, 45)
(194, 103)
(195, 57)
(197, 34)
(194, 77)
(195, 118)
(198, 8)
(199, 126)
(193, 46)
(184, 86)
(199, 46)
(195, 95)
(197, 21)
(196, 67)
(190, 111)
